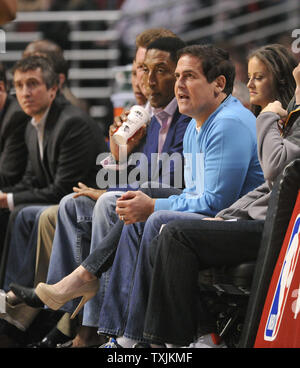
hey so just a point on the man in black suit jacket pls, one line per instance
(62, 141)
(13, 121)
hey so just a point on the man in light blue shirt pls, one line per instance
(221, 165)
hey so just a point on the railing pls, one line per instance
(102, 48)
(289, 9)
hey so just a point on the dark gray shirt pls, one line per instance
(274, 152)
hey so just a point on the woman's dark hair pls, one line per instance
(215, 62)
(280, 62)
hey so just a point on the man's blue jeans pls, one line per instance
(102, 253)
(22, 249)
(124, 307)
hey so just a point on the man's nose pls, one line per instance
(179, 83)
(151, 79)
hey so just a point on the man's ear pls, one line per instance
(54, 90)
(220, 84)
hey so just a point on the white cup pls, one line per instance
(137, 117)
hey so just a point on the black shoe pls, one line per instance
(51, 340)
(27, 294)
(142, 345)
(11, 336)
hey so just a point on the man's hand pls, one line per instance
(83, 190)
(3, 200)
(134, 206)
(132, 142)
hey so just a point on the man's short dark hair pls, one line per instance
(168, 44)
(33, 62)
(3, 74)
(215, 62)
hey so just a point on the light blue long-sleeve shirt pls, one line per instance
(221, 162)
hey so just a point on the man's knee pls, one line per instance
(49, 216)
(70, 207)
(158, 219)
(27, 216)
(172, 230)
(67, 201)
(106, 202)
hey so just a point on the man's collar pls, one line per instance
(169, 109)
(42, 122)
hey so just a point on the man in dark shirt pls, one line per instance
(62, 142)
(13, 121)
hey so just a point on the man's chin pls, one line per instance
(183, 109)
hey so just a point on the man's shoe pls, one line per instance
(142, 345)
(52, 340)
(208, 341)
(112, 343)
(27, 294)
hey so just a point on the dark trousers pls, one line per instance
(175, 313)
(7, 220)
(4, 217)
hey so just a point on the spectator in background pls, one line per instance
(62, 142)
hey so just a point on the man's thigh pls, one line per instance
(217, 243)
